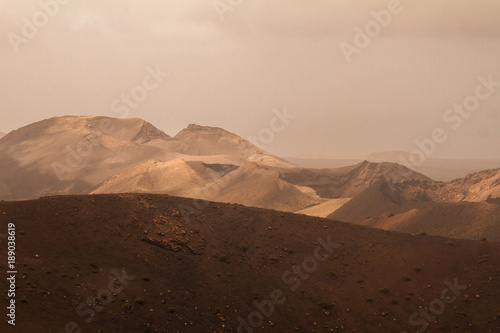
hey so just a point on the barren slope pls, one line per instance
(467, 220)
(175, 177)
(202, 275)
(463, 208)
(325, 208)
(475, 187)
(200, 141)
(346, 182)
(379, 198)
(260, 186)
(249, 184)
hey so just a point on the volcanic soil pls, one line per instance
(156, 263)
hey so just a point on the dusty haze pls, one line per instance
(263, 55)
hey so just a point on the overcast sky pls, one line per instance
(232, 68)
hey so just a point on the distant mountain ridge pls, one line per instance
(464, 208)
(443, 169)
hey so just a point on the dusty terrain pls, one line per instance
(196, 266)
(72, 155)
(466, 208)
(81, 155)
(98, 155)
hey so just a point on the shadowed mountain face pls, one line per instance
(2, 134)
(136, 263)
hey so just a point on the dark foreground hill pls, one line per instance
(155, 263)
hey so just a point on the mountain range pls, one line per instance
(443, 169)
(98, 155)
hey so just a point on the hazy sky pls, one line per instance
(263, 55)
